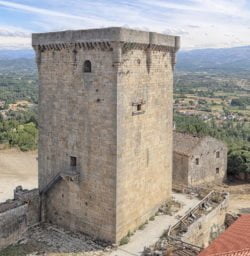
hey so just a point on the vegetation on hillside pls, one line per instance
(14, 87)
(19, 129)
(236, 136)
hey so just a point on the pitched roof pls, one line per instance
(184, 143)
(235, 241)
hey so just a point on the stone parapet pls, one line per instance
(102, 39)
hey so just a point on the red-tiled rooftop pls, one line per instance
(235, 241)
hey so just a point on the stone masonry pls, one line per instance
(198, 160)
(105, 127)
(17, 215)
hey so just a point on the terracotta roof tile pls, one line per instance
(244, 252)
(235, 241)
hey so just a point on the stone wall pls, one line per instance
(17, 215)
(243, 176)
(144, 160)
(211, 168)
(180, 169)
(211, 155)
(78, 118)
(207, 227)
(116, 121)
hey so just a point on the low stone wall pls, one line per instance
(13, 223)
(32, 198)
(195, 229)
(17, 215)
(243, 176)
(207, 227)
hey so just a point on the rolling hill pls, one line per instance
(234, 60)
(231, 60)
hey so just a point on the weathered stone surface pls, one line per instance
(202, 231)
(116, 120)
(198, 160)
(17, 215)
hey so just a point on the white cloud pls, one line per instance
(177, 32)
(10, 42)
(14, 37)
(42, 11)
(9, 31)
(200, 23)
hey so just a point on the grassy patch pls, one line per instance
(124, 240)
(15, 250)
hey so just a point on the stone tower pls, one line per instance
(105, 122)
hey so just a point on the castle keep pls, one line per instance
(105, 127)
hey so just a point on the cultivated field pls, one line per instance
(16, 168)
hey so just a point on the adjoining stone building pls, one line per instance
(105, 127)
(198, 160)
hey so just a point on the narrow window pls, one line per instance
(218, 154)
(197, 161)
(73, 161)
(217, 170)
(138, 107)
(87, 66)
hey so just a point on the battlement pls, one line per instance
(105, 35)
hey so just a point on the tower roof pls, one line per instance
(111, 34)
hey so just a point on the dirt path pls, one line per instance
(239, 203)
(153, 230)
(16, 168)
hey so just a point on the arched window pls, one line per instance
(87, 66)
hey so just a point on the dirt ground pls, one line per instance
(239, 201)
(48, 240)
(17, 168)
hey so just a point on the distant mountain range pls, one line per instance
(235, 59)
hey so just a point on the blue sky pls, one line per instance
(200, 23)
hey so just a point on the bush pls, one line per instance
(238, 161)
(124, 240)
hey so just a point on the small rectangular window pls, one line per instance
(73, 161)
(197, 161)
(217, 170)
(218, 154)
(138, 107)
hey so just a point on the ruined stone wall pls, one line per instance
(206, 171)
(180, 169)
(32, 198)
(144, 153)
(17, 215)
(13, 223)
(78, 118)
(243, 176)
(207, 227)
